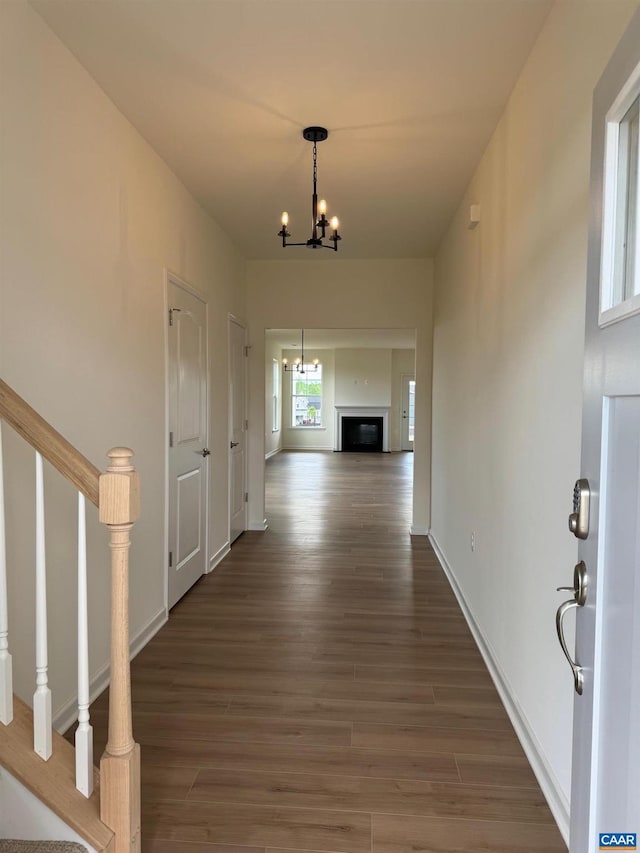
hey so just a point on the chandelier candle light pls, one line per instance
(319, 225)
(298, 365)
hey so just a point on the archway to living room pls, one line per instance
(335, 416)
(345, 371)
(358, 384)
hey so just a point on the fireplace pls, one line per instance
(362, 429)
(362, 435)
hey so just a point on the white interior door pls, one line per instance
(408, 418)
(237, 430)
(605, 798)
(188, 468)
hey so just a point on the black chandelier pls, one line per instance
(298, 365)
(319, 226)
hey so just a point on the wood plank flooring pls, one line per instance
(320, 691)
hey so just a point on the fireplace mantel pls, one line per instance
(363, 412)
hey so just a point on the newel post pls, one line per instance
(119, 507)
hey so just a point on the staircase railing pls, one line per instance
(116, 495)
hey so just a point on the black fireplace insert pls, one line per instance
(362, 434)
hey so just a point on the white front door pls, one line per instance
(408, 421)
(237, 430)
(187, 366)
(605, 797)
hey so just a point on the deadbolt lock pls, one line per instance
(579, 518)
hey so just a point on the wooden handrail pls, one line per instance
(49, 443)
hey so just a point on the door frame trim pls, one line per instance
(171, 278)
(233, 318)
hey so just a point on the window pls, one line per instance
(306, 398)
(626, 226)
(277, 373)
(620, 273)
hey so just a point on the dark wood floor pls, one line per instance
(320, 691)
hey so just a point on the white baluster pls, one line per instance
(6, 679)
(84, 732)
(42, 696)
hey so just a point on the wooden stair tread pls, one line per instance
(52, 781)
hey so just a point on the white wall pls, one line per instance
(23, 816)
(90, 217)
(508, 350)
(378, 294)
(363, 377)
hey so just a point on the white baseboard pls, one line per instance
(68, 713)
(310, 447)
(258, 525)
(416, 530)
(271, 453)
(547, 780)
(219, 556)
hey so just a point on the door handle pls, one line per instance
(579, 590)
(234, 444)
(204, 452)
(576, 669)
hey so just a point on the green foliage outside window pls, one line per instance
(311, 389)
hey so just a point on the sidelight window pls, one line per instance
(621, 244)
(277, 373)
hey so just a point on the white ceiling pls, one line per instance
(315, 339)
(410, 91)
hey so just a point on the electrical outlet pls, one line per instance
(473, 540)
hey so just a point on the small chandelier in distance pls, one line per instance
(316, 241)
(298, 365)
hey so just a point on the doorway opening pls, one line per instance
(353, 400)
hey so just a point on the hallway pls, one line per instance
(320, 691)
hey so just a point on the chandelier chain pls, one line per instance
(315, 165)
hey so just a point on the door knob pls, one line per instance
(234, 444)
(204, 452)
(579, 590)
